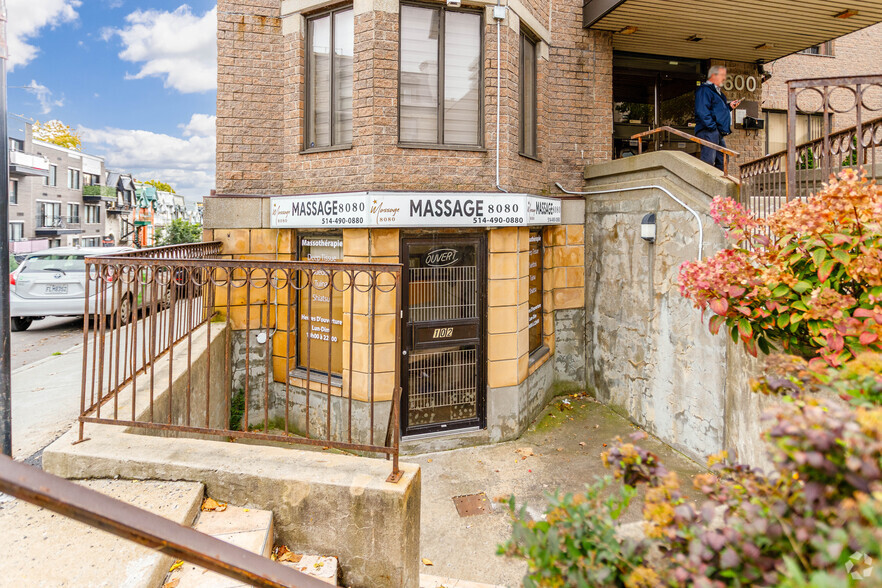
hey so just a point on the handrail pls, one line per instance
(812, 142)
(124, 520)
(704, 143)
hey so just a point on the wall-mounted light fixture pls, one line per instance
(647, 228)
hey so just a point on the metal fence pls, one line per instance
(155, 312)
(769, 182)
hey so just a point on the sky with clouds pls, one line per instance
(137, 78)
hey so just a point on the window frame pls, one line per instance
(53, 176)
(13, 191)
(824, 49)
(73, 173)
(442, 34)
(809, 115)
(527, 37)
(332, 94)
(20, 225)
(299, 363)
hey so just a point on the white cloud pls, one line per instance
(188, 163)
(200, 125)
(180, 47)
(27, 18)
(43, 96)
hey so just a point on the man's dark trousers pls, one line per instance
(708, 155)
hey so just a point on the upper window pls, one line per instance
(329, 79)
(528, 143)
(52, 180)
(441, 76)
(13, 191)
(73, 179)
(822, 49)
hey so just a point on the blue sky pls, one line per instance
(137, 78)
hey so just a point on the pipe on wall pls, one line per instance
(649, 187)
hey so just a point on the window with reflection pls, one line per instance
(441, 73)
(330, 50)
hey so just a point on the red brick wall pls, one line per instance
(261, 75)
(250, 129)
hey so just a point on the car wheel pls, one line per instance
(21, 323)
(124, 312)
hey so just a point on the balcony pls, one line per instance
(99, 194)
(47, 225)
(26, 164)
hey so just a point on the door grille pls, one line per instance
(443, 379)
(442, 293)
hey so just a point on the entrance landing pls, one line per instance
(561, 450)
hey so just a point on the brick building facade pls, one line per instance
(389, 109)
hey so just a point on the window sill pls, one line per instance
(538, 355)
(474, 148)
(316, 377)
(324, 149)
(533, 157)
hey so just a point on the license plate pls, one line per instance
(56, 289)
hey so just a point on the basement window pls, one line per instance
(330, 50)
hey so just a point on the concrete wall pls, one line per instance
(649, 353)
(322, 503)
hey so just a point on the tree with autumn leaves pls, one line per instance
(58, 133)
(806, 279)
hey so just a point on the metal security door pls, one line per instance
(443, 315)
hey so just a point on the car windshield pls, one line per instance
(53, 263)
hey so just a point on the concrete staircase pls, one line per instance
(44, 549)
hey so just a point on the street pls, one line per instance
(45, 337)
(46, 381)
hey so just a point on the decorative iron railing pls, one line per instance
(317, 340)
(769, 182)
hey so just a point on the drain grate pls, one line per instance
(470, 505)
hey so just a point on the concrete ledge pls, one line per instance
(322, 502)
(693, 172)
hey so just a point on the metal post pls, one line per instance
(5, 341)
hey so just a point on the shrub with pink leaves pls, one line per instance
(807, 279)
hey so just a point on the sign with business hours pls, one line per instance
(413, 209)
(321, 320)
(535, 290)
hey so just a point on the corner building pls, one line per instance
(434, 134)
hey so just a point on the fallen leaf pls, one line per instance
(211, 504)
(176, 565)
(429, 460)
(582, 443)
(291, 556)
(560, 448)
(172, 584)
(427, 562)
(525, 452)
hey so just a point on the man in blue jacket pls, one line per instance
(713, 118)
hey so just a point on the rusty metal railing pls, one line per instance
(129, 522)
(727, 153)
(184, 342)
(769, 182)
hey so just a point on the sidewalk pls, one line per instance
(566, 446)
(45, 401)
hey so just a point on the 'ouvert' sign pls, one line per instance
(414, 209)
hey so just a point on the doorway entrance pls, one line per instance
(443, 368)
(650, 92)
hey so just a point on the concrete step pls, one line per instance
(44, 549)
(248, 528)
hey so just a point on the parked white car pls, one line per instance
(52, 282)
